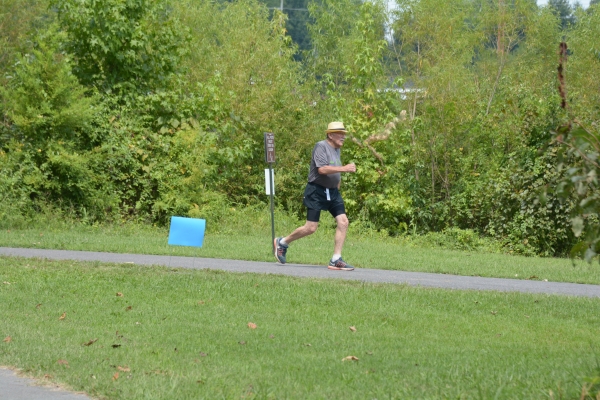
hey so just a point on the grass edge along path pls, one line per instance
(444, 281)
(126, 331)
(360, 251)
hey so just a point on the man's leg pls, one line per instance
(281, 244)
(308, 228)
(337, 263)
(340, 233)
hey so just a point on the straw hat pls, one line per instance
(336, 127)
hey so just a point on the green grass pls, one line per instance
(246, 235)
(181, 334)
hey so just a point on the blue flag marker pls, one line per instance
(187, 231)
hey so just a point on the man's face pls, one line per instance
(337, 139)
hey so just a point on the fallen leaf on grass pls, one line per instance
(115, 376)
(63, 316)
(128, 308)
(201, 302)
(91, 342)
(203, 354)
(307, 344)
(494, 312)
(63, 362)
(353, 329)
(271, 336)
(47, 376)
(119, 294)
(532, 277)
(123, 369)
(114, 346)
(38, 305)
(350, 358)
(8, 339)
(252, 325)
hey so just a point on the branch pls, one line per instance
(380, 136)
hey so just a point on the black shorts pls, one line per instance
(315, 199)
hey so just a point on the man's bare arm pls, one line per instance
(328, 169)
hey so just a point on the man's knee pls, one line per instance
(311, 227)
(342, 221)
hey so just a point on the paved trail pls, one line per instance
(367, 275)
(14, 388)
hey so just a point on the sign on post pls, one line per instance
(269, 148)
(269, 181)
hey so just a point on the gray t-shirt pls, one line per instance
(323, 154)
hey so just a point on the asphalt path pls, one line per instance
(16, 388)
(424, 279)
(13, 387)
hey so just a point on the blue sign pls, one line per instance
(187, 231)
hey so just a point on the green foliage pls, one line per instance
(582, 70)
(357, 93)
(122, 45)
(457, 239)
(512, 211)
(142, 109)
(47, 103)
(48, 132)
(591, 386)
(260, 86)
(578, 156)
(580, 152)
(331, 36)
(563, 10)
(18, 18)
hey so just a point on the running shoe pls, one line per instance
(340, 265)
(280, 250)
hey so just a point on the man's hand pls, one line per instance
(350, 167)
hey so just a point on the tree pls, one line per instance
(564, 10)
(17, 19)
(122, 45)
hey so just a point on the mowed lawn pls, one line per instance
(131, 332)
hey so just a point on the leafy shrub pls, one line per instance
(47, 133)
(510, 209)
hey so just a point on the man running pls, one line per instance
(322, 193)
